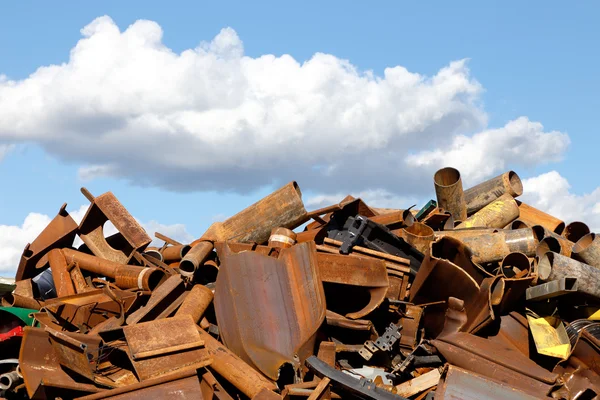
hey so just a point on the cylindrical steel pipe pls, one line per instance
(60, 274)
(497, 214)
(517, 224)
(449, 192)
(541, 233)
(483, 194)
(233, 369)
(418, 235)
(460, 234)
(283, 207)
(125, 276)
(16, 300)
(194, 258)
(490, 247)
(173, 254)
(9, 380)
(587, 250)
(553, 266)
(513, 263)
(533, 216)
(282, 238)
(549, 244)
(196, 302)
(154, 252)
(575, 231)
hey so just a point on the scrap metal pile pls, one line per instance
(473, 296)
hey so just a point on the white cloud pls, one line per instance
(210, 118)
(374, 198)
(551, 193)
(13, 238)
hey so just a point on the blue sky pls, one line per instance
(532, 59)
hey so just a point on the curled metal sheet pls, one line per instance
(269, 309)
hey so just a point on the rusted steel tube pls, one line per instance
(449, 192)
(154, 252)
(514, 261)
(418, 235)
(234, 369)
(549, 244)
(283, 207)
(489, 247)
(541, 233)
(196, 302)
(60, 274)
(575, 231)
(125, 276)
(553, 266)
(517, 224)
(483, 194)
(173, 254)
(460, 234)
(497, 214)
(194, 258)
(282, 238)
(533, 216)
(16, 300)
(587, 250)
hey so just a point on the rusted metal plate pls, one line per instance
(162, 303)
(165, 346)
(105, 208)
(460, 384)
(76, 351)
(368, 273)
(59, 233)
(269, 309)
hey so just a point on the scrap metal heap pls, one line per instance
(476, 295)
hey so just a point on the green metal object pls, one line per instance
(427, 208)
(22, 313)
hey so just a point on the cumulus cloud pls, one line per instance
(378, 198)
(211, 118)
(551, 193)
(13, 238)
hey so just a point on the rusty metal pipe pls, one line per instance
(282, 238)
(553, 266)
(483, 194)
(549, 244)
(125, 276)
(234, 369)
(575, 231)
(194, 258)
(418, 235)
(60, 273)
(9, 380)
(283, 207)
(449, 192)
(515, 260)
(196, 302)
(494, 246)
(533, 216)
(173, 254)
(460, 234)
(541, 233)
(517, 224)
(154, 252)
(497, 214)
(587, 250)
(16, 300)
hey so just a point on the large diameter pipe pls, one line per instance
(125, 276)
(418, 235)
(173, 254)
(196, 302)
(497, 214)
(195, 258)
(542, 233)
(587, 250)
(449, 192)
(490, 247)
(282, 208)
(483, 194)
(233, 369)
(532, 216)
(575, 231)
(553, 266)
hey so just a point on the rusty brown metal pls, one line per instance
(60, 273)
(153, 252)
(497, 214)
(542, 233)
(195, 258)
(154, 353)
(575, 231)
(494, 246)
(532, 216)
(334, 319)
(60, 232)
(417, 235)
(282, 238)
(282, 208)
(449, 192)
(368, 273)
(196, 302)
(126, 276)
(439, 219)
(269, 309)
(175, 253)
(587, 250)
(162, 303)
(395, 219)
(411, 323)
(484, 193)
(105, 208)
(76, 351)
(553, 266)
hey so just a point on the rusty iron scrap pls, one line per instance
(473, 295)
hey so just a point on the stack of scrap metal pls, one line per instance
(475, 295)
